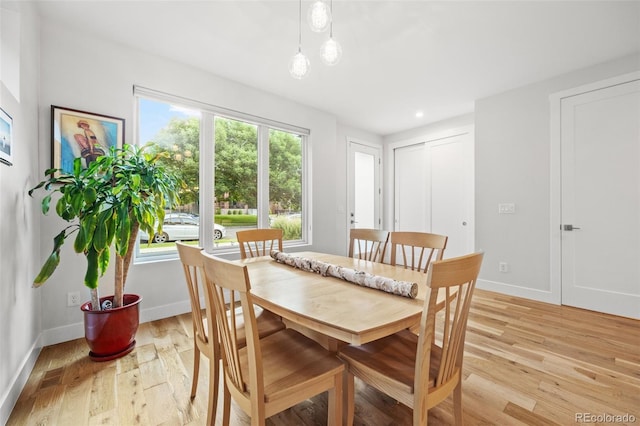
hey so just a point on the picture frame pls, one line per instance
(6, 138)
(76, 133)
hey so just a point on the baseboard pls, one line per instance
(518, 291)
(65, 333)
(165, 311)
(8, 400)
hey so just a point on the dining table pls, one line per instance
(336, 311)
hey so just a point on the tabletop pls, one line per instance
(336, 308)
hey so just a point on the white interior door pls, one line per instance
(600, 210)
(364, 183)
(433, 189)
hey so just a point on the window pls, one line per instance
(240, 172)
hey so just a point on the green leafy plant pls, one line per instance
(108, 202)
(291, 228)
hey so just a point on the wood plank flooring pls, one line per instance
(526, 363)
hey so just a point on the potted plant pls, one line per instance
(107, 203)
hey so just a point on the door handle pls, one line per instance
(568, 227)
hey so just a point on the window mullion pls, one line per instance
(263, 176)
(207, 179)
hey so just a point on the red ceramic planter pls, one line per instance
(111, 334)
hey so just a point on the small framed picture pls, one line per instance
(82, 134)
(6, 138)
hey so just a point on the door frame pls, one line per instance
(351, 181)
(555, 126)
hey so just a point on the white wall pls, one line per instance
(20, 311)
(512, 133)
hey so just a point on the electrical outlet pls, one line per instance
(503, 267)
(73, 298)
(506, 208)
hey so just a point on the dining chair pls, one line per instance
(418, 370)
(259, 242)
(368, 244)
(273, 373)
(416, 250)
(205, 337)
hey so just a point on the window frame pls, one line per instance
(207, 169)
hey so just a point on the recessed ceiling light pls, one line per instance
(419, 114)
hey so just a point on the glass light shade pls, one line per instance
(298, 65)
(319, 16)
(331, 52)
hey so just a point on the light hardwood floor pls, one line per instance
(526, 363)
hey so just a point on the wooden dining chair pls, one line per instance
(368, 244)
(418, 370)
(259, 242)
(416, 250)
(205, 338)
(270, 374)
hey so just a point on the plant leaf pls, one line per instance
(91, 276)
(47, 269)
(103, 261)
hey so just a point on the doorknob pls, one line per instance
(568, 227)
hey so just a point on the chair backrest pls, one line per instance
(416, 250)
(259, 242)
(221, 276)
(191, 258)
(457, 278)
(368, 244)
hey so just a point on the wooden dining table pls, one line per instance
(341, 311)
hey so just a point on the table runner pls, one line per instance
(365, 279)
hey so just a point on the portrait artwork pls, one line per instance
(79, 134)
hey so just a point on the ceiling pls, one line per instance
(399, 56)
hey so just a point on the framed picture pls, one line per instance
(6, 138)
(82, 134)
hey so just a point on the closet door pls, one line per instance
(433, 190)
(451, 192)
(410, 189)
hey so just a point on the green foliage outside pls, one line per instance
(236, 158)
(291, 228)
(236, 219)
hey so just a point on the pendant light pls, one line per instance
(331, 51)
(319, 16)
(299, 63)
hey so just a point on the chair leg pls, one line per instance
(226, 403)
(213, 390)
(196, 370)
(420, 413)
(457, 403)
(334, 402)
(349, 397)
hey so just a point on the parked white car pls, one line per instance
(181, 226)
